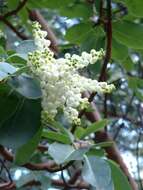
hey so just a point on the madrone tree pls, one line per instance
(70, 90)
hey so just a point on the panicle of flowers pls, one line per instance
(61, 83)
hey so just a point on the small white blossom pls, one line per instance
(61, 83)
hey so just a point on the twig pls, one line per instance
(74, 178)
(66, 185)
(102, 76)
(108, 24)
(15, 11)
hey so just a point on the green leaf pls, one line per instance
(52, 4)
(56, 136)
(119, 51)
(26, 86)
(104, 144)
(129, 34)
(24, 153)
(23, 14)
(8, 102)
(16, 60)
(22, 125)
(128, 64)
(135, 82)
(77, 11)
(62, 129)
(3, 42)
(12, 4)
(135, 7)
(93, 39)
(119, 179)
(25, 47)
(6, 70)
(36, 4)
(139, 94)
(78, 33)
(2, 52)
(96, 151)
(79, 132)
(96, 171)
(63, 153)
(94, 128)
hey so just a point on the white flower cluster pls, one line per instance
(60, 80)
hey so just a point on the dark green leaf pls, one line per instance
(16, 60)
(62, 129)
(56, 136)
(77, 11)
(8, 102)
(22, 125)
(93, 40)
(94, 128)
(52, 4)
(2, 52)
(119, 51)
(128, 64)
(24, 153)
(135, 7)
(78, 33)
(129, 34)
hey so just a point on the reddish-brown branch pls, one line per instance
(48, 166)
(57, 183)
(74, 178)
(6, 154)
